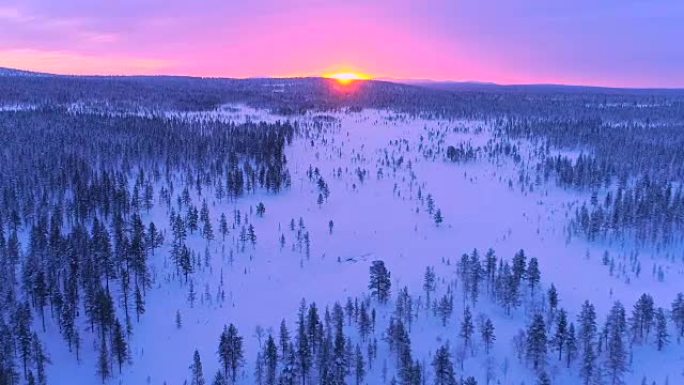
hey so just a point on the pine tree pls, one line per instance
(444, 368)
(197, 377)
(103, 362)
(22, 331)
(587, 335)
(303, 346)
(533, 274)
(260, 209)
(678, 313)
(616, 358)
(192, 294)
(474, 276)
(30, 379)
(230, 351)
(570, 345)
(379, 281)
(359, 366)
(490, 266)
(588, 368)
(284, 339)
(662, 336)
(271, 360)
(429, 283)
(259, 369)
(185, 262)
(8, 370)
(561, 335)
(643, 315)
(251, 234)
(364, 322)
(40, 293)
(519, 266)
(445, 308)
(219, 379)
(119, 345)
(154, 237)
(438, 217)
(552, 296)
(507, 288)
(488, 336)
(339, 357)
(289, 374)
(536, 342)
(40, 359)
(139, 303)
(543, 379)
(208, 231)
(467, 328)
(223, 226)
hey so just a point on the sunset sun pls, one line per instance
(347, 77)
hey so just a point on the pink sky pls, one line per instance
(616, 43)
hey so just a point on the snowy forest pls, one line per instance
(172, 230)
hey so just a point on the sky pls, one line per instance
(619, 43)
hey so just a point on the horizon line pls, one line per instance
(406, 81)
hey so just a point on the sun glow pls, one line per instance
(347, 77)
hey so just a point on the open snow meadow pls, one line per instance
(196, 232)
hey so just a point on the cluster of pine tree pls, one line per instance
(640, 172)
(341, 346)
(651, 211)
(76, 240)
